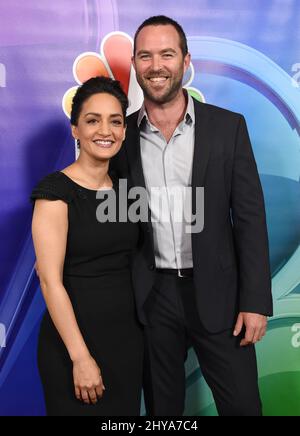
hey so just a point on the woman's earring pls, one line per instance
(77, 143)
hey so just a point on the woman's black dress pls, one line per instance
(97, 278)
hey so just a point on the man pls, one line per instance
(208, 289)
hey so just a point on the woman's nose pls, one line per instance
(104, 129)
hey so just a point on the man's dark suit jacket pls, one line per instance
(230, 255)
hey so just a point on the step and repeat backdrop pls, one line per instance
(245, 57)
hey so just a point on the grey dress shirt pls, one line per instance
(167, 170)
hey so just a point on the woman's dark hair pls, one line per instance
(162, 20)
(97, 85)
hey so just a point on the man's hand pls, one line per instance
(255, 324)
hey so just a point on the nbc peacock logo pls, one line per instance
(114, 60)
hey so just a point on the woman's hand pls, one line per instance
(87, 380)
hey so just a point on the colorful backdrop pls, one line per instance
(246, 57)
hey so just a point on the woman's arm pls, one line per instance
(49, 231)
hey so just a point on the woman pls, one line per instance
(90, 345)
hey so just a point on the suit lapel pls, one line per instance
(134, 152)
(135, 164)
(201, 145)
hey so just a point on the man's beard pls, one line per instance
(167, 95)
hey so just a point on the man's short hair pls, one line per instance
(162, 20)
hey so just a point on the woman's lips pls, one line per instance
(103, 143)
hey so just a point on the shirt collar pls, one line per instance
(142, 115)
(189, 115)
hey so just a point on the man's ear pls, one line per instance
(133, 61)
(187, 61)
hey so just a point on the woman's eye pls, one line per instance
(117, 122)
(92, 121)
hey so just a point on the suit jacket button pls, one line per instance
(151, 267)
